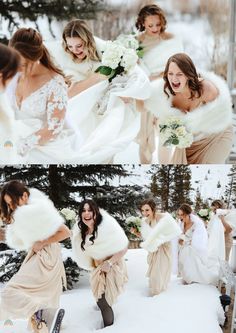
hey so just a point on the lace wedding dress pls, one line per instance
(40, 118)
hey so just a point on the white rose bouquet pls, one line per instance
(117, 59)
(130, 42)
(174, 133)
(69, 215)
(204, 214)
(134, 225)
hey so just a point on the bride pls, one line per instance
(39, 98)
(195, 265)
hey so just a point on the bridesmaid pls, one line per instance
(158, 45)
(34, 291)
(99, 245)
(157, 230)
(202, 101)
(78, 55)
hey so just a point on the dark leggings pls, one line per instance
(106, 310)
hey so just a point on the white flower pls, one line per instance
(173, 132)
(128, 41)
(203, 212)
(68, 213)
(129, 59)
(112, 54)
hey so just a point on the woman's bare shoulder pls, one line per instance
(210, 91)
(167, 35)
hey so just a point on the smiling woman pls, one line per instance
(34, 291)
(201, 103)
(99, 244)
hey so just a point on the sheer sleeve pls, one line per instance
(55, 117)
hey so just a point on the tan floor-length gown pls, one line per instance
(37, 285)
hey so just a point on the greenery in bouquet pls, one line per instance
(117, 60)
(133, 224)
(174, 133)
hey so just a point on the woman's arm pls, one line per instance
(62, 233)
(55, 113)
(227, 227)
(78, 87)
(106, 266)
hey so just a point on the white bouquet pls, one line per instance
(174, 133)
(130, 42)
(117, 59)
(69, 215)
(204, 213)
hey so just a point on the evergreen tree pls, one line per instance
(230, 192)
(198, 201)
(171, 185)
(182, 186)
(52, 9)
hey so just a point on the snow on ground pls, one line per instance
(191, 308)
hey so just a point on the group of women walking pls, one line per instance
(98, 244)
(56, 99)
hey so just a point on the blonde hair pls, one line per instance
(79, 28)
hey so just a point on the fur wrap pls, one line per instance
(78, 71)
(35, 221)
(110, 240)
(157, 54)
(211, 118)
(164, 231)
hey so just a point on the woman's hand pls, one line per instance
(38, 246)
(127, 100)
(135, 232)
(106, 266)
(181, 242)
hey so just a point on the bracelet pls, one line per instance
(110, 263)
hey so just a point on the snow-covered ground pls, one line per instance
(191, 308)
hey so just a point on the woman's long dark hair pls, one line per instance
(29, 43)
(15, 189)
(10, 62)
(97, 219)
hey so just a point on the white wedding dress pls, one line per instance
(195, 265)
(106, 123)
(44, 109)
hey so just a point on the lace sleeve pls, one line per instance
(55, 116)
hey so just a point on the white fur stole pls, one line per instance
(210, 118)
(110, 240)
(164, 231)
(35, 221)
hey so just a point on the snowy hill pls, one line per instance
(181, 309)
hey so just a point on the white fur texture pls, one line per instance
(211, 118)
(78, 71)
(164, 231)
(156, 56)
(35, 221)
(110, 240)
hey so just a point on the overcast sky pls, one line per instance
(204, 176)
